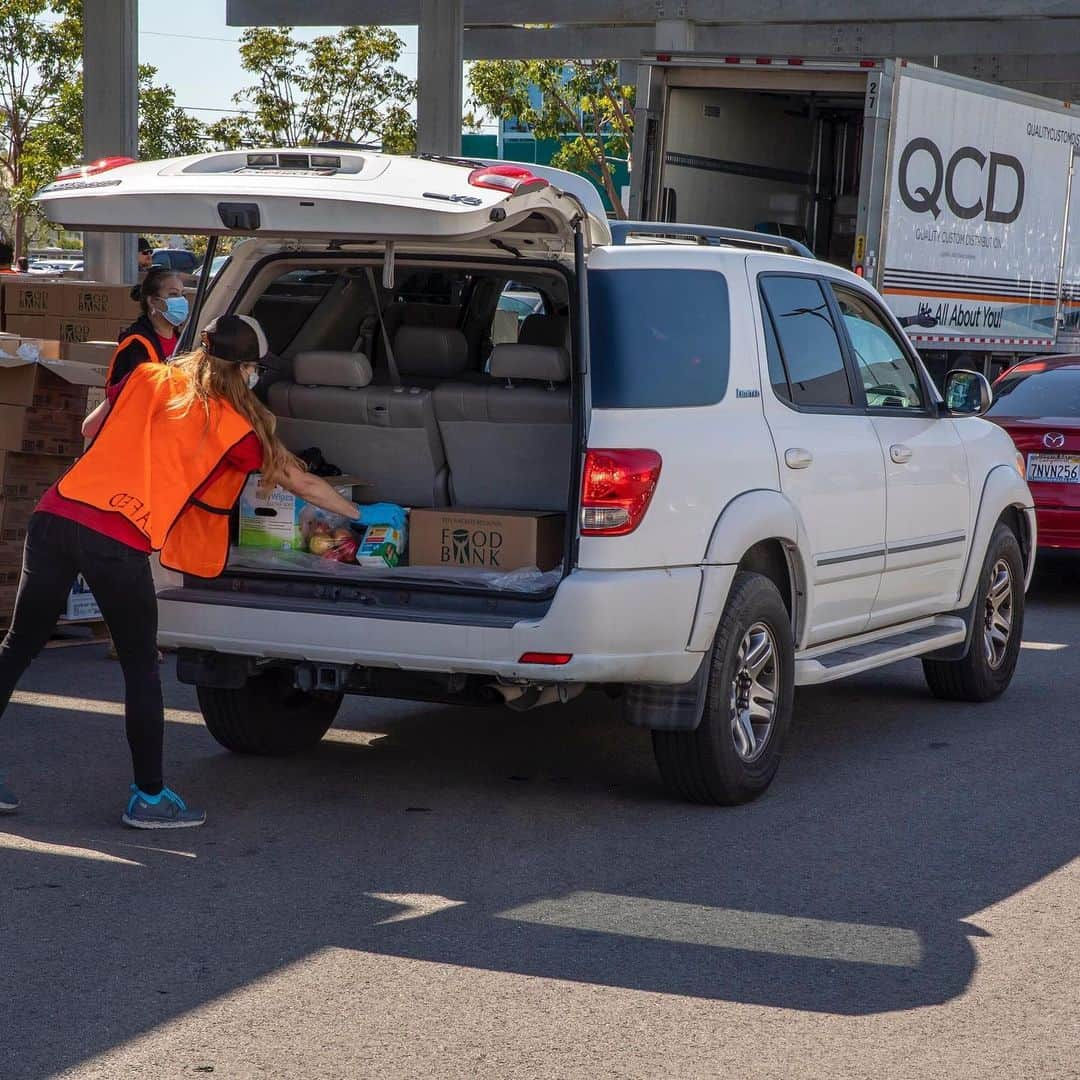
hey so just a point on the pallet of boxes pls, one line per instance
(56, 339)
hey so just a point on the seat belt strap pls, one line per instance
(391, 363)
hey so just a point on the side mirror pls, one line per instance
(967, 393)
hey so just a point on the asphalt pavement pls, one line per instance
(446, 892)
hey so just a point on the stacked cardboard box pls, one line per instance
(43, 400)
(74, 311)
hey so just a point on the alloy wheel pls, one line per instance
(754, 691)
(998, 616)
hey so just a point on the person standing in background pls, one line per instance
(153, 336)
(146, 255)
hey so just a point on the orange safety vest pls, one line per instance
(148, 462)
(151, 353)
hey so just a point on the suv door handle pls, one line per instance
(798, 458)
(900, 453)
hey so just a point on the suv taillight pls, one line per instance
(616, 489)
(104, 164)
(511, 179)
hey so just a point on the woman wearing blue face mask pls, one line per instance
(153, 336)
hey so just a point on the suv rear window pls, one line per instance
(658, 338)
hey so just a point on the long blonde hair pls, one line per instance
(209, 379)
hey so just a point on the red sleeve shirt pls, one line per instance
(246, 456)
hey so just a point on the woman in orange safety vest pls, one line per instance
(153, 336)
(172, 447)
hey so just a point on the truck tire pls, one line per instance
(267, 715)
(999, 626)
(733, 754)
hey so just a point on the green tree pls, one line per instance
(38, 56)
(41, 105)
(582, 104)
(341, 86)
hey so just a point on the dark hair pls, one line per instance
(150, 286)
(144, 245)
(7, 253)
(232, 340)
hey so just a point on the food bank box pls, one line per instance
(92, 300)
(282, 521)
(486, 539)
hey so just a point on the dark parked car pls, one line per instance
(178, 259)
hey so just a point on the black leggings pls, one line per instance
(58, 549)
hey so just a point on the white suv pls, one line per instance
(762, 487)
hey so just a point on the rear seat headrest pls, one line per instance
(322, 367)
(430, 352)
(545, 330)
(544, 363)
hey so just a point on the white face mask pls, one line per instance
(253, 380)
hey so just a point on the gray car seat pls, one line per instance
(509, 441)
(386, 435)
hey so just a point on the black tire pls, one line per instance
(705, 765)
(267, 715)
(977, 677)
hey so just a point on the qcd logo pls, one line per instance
(927, 199)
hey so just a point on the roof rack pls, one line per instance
(621, 231)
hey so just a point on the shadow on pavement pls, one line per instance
(847, 889)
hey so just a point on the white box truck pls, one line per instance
(952, 196)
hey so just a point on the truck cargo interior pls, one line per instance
(451, 395)
(783, 162)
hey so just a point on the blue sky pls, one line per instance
(196, 53)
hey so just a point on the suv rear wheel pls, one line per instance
(267, 715)
(999, 625)
(733, 754)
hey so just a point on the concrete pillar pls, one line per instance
(110, 117)
(439, 97)
(674, 35)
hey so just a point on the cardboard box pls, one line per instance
(39, 431)
(56, 385)
(93, 300)
(14, 518)
(29, 326)
(282, 521)
(486, 539)
(79, 328)
(7, 602)
(29, 476)
(33, 296)
(97, 353)
(30, 348)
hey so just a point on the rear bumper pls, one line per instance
(620, 626)
(1058, 528)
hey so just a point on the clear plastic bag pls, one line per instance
(526, 579)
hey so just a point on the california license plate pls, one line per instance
(1053, 468)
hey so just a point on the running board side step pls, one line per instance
(823, 664)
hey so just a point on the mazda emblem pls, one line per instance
(1053, 440)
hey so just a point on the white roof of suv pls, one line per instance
(330, 194)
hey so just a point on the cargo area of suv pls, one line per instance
(450, 389)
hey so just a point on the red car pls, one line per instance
(1038, 403)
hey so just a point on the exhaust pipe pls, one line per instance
(522, 698)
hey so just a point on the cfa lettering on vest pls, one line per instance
(131, 507)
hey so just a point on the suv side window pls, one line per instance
(889, 378)
(809, 345)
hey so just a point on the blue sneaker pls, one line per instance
(166, 810)
(9, 803)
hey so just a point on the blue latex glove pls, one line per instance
(382, 514)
